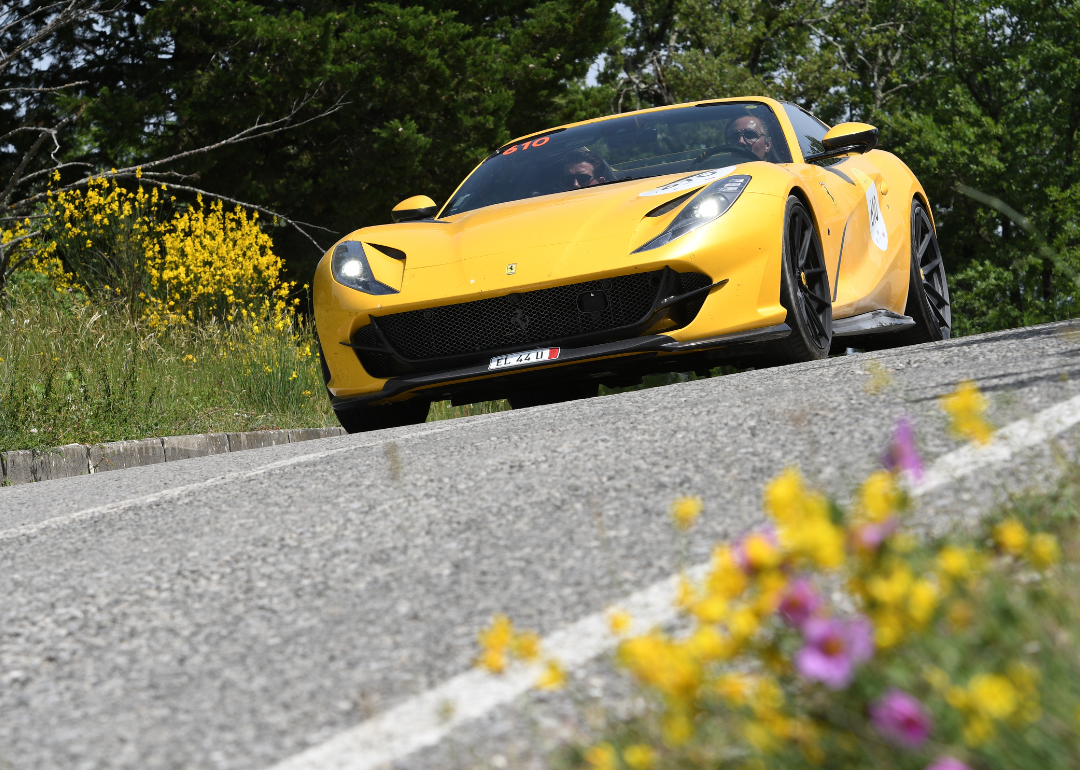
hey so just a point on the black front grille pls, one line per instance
(518, 320)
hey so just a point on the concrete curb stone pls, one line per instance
(297, 435)
(118, 455)
(256, 439)
(19, 466)
(24, 466)
(184, 447)
(60, 463)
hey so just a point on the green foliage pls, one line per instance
(426, 90)
(71, 371)
(983, 93)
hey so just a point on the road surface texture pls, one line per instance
(235, 611)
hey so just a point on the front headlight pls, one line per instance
(709, 204)
(350, 268)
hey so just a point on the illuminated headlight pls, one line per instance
(350, 268)
(709, 204)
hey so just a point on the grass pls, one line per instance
(77, 372)
(73, 371)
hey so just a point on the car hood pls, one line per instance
(549, 227)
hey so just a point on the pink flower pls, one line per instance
(799, 603)
(902, 456)
(901, 719)
(832, 650)
(947, 763)
(869, 537)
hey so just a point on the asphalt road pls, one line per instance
(231, 611)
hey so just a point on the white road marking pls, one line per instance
(1014, 437)
(426, 719)
(165, 494)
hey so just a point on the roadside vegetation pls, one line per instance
(833, 637)
(139, 317)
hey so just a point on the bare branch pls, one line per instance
(51, 169)
(16, 177)
(242, 204)
(72, 10)
(43, 90)
(262, 129)
(257, 131)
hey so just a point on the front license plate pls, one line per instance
(522, 358)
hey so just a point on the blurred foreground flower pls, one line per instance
(799, 603)
(901, 719)
(902, 456)
(833, 649)
(965, 407)
(685, 510)
(814, 640)
(947, 763)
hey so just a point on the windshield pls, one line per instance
(683, 140)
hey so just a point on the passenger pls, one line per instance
(751, 134)
(584, 168)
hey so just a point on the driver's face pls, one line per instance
(581, 175)
(748, 133)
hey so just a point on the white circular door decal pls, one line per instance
(878, 232)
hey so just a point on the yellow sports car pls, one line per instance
(671, 239)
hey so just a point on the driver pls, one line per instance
(749, 133)
(583, 168)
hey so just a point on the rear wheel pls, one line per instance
(928, 289)
(804, 290)
(365, 418)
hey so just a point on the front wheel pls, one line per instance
(928, 290)
(804, 290)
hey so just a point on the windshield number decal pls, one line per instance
(533, 143)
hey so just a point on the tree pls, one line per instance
(426, 91)
(36, 119)
(983, 93)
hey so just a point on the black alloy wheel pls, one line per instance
(804, 290)
(928, 289)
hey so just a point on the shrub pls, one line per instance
(199, 262)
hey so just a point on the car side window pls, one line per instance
(809, 129)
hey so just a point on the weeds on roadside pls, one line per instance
(832, 638)
(77, 372)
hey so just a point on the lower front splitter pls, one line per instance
(569, 358)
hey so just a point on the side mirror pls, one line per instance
(852, 137)
(416, 207)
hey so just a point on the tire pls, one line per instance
(365, 418)
(804, 291)
(928, 288)
(553, 394)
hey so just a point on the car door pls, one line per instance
(851, 221)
